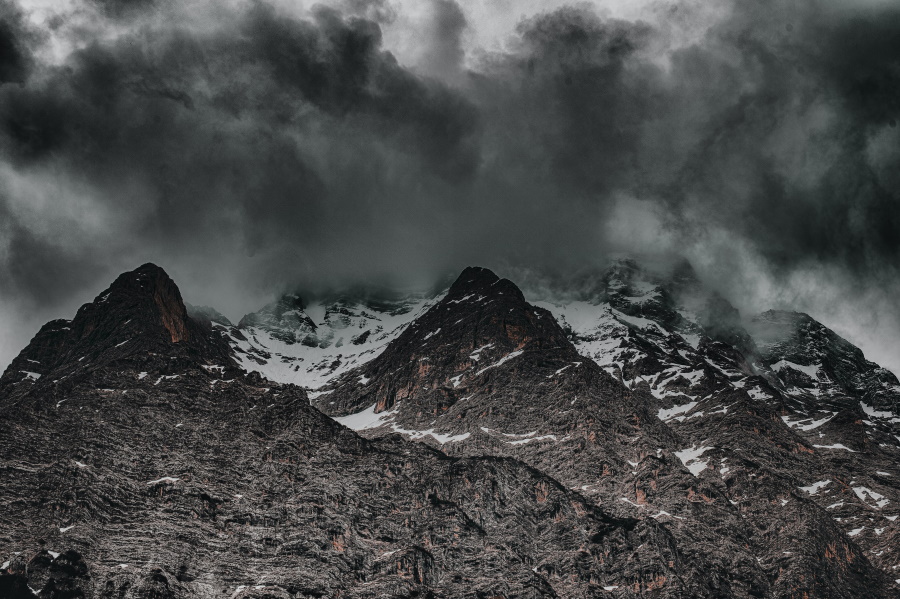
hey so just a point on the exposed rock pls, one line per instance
(188, 479)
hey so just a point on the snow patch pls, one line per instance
(810, 371)
(863, 492)
(835, 446)
(503, 360)
(872, 412)
(691, 459)
(476, 354)
(529, 440)
(366, 419)
(667, 414)
(165, 479)
(811, 424)
(441, 438)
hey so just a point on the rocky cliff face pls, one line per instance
(657, 425)
(162, 471)
(627, 435)
(139, 319)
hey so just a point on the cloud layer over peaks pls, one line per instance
(248, 145)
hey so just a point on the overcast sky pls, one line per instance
(248, 147)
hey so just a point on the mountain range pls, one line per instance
(624, 433)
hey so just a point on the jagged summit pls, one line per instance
(483, 282)
(447, 351)
(818, 367)
(198, 482)
(140, 315)
(758, 460)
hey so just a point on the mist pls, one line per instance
(251, 147)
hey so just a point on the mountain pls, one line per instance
(143, 463)
(309, 343)
(624, 433)
(484, 372)
(715, 379)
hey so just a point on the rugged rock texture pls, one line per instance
(628, 435)
(140, 318)
(144, 464)
(636, 428)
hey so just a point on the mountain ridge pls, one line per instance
(208, 481)
(664, 431)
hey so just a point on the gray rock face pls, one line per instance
(163, 471)
(631, 439)
(819, 368)
(678, 418)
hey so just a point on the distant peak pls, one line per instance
(784, 317)
(293, 301)
(133, 289)
(475, 275)
(475, 279)
(683, 275)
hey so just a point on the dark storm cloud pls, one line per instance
(783, 153)
(288, 148)
(15, 40)
(267, 132)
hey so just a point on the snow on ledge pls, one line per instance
(666, 414)
(810, 371)
(691, 459)
(365, 419)
(165, 479)
(879, 499)
(503, 360)
(368, 419)
(812, 424)
(835, 446)
(814, 488)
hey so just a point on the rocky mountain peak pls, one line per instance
(478, 280)
(818, 366)
(139, 294)
(482, 321)
(141, 314)
(619, 437)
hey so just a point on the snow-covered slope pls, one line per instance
(308, 344)
(661, 330)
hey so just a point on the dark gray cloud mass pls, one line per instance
(247, 147)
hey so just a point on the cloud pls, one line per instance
(254, 145)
